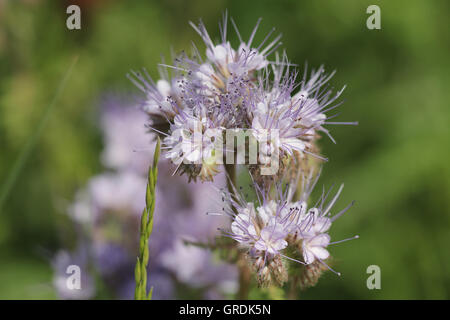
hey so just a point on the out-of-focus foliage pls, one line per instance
(395, 164)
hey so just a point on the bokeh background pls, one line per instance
(395, 164)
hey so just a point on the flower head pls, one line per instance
(192, 143)
(226, 61)
(236, 88)
(279, 223)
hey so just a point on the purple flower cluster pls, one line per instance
(235, 89)
(275, 224)
(200, 98)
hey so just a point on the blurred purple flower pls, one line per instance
(125, 139)
(110, 206)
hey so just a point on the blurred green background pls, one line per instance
(395, 164)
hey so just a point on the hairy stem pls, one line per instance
(293, 288)
(245, 278)
(244, 270)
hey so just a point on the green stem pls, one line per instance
(140, 271)
(245, 278)
(293, 289)
(244, 271)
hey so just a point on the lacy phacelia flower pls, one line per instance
(159, 95)
(224, 61)
(239, 88)
(295, 118)
(192, 144)
(273, 227)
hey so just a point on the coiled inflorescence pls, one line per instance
(200, 99)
